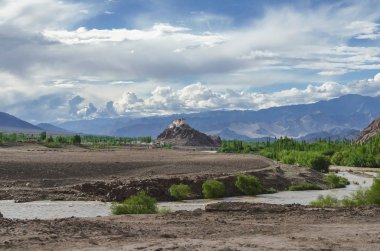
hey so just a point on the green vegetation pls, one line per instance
(164, 211)
(213, 189)
(316, 155)
(85, 140)
(141, 203)
(336, 181)
(53, 145)
(325, 201)
(271, 190)
(249, 185)
(304, 186)
(362, 197)
(180, 191)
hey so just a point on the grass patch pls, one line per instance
(326, 201)
(304, 186)
(141, 203)
(249, 185)
(180, 191)
(271, 190)
(336, 181)
(164, 211)
(362, 197)
(213, 189)
(53, 145)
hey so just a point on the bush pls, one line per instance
(374, 192)
(361, 197)
(53, 145)
(325, 201)
(271, 190)
(358, 198)
(249, 185)
(338, 159)
(141, 203)
(180, 191)
(319, 163)
(213, 189)
(43, 136)
(77, 140)
(304, 186)
(336, 181)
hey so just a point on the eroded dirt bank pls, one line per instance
(224, 226)
(33, 172)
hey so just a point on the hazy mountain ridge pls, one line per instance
(350, 112)
(337, 118)
(9, 123)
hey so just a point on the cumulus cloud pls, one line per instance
(198, 97)
(47, 51)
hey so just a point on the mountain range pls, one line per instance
(342, 117)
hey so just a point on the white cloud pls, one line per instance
(199, 97)
(45, 52)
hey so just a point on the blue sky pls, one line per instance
(134, 58)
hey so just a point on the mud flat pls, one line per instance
(224, 226)
(34, 172)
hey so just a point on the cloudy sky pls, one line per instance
(67, 60)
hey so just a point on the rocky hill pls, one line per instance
(181, 134)
(372, 130)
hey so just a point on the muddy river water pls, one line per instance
(63, 209)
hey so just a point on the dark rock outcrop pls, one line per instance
(370, 131)
(181, 134)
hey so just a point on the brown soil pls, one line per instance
(34, 172)
(224, 226)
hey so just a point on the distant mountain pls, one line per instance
(344, 113)
(370, 131)
(96, 126)
(334, 134)
(9, 123)
(51, 128)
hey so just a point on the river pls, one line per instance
(64, 209)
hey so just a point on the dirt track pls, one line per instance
(33, 172)
(229, 226)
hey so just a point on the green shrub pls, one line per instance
(77, 140)
(213, 189)
(304, 186)
(288, 159)
(141, 203)
(180, 191)
(336, 181)
(358, 198)
(325, 201)
(43, 136)
(337, 159)
(271, 190)
(361, 197)
(319, 163)
(374, 192)
(164, 211)
(249, 185)
(53, 145)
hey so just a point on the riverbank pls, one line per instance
(225, 226)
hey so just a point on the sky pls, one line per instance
(69, 60)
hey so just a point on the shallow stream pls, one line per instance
(64, 209)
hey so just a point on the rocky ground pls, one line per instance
(224, 226)
(34, 172)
